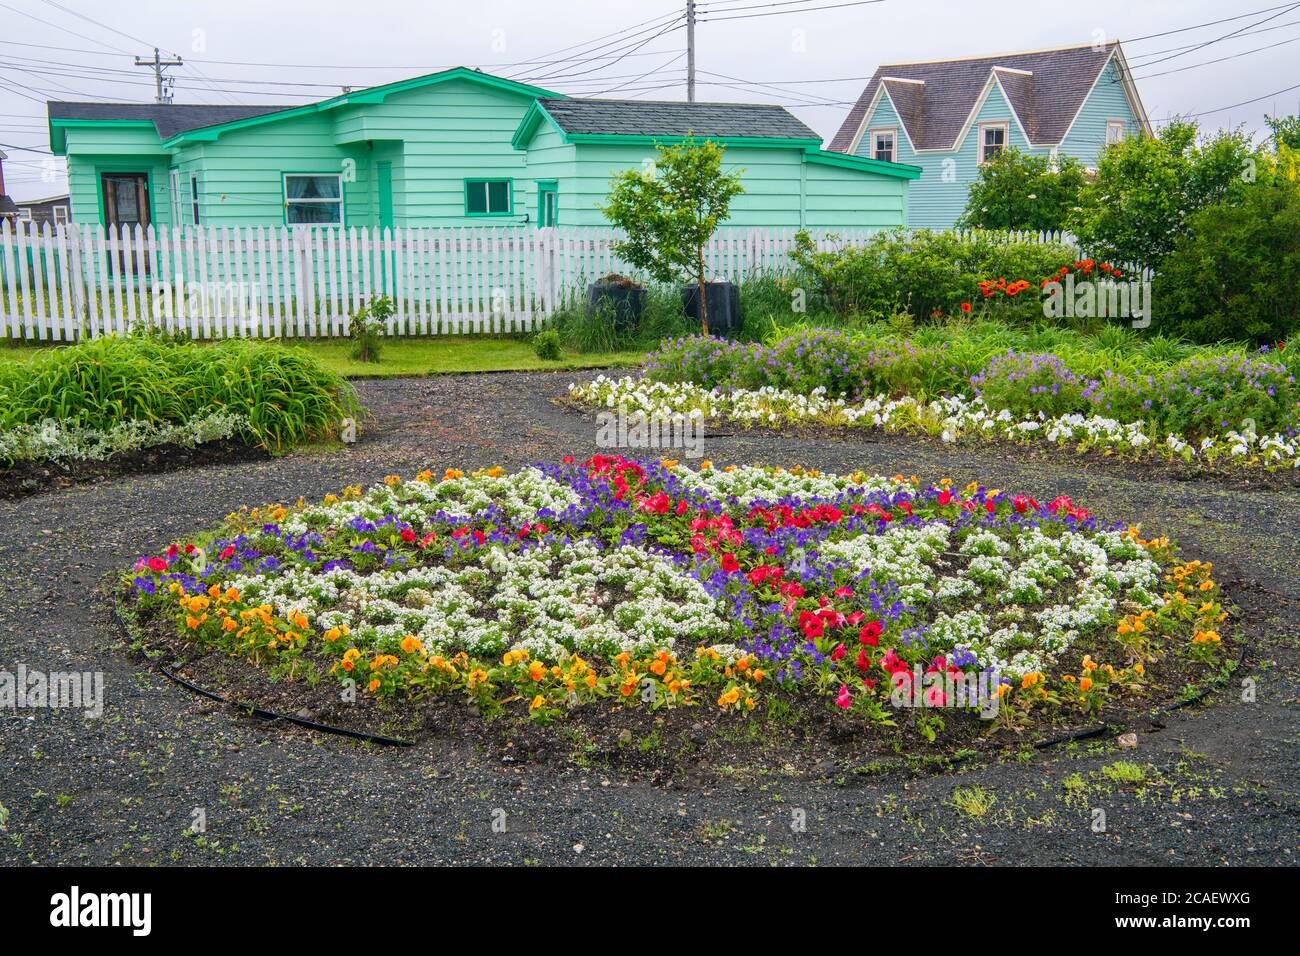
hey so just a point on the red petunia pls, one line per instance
(157, 564)
(870, 633)
(729, 563)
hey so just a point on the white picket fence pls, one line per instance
(69, 282)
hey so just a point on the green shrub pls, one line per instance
(1147, 187)
(1235, 273)
(546, 344)
(287, 394)
(925, 274)
(1017, 190)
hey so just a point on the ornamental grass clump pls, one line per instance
(282, 395)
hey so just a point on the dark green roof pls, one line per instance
(593, 117)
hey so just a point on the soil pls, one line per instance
(1215, 783)
(26, 478)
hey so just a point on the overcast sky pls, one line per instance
(259, 51)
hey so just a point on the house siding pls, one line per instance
(782, 190)
(93, 151)
(1107, 101)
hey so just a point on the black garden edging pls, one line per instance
(1084, 733)
(260, 712)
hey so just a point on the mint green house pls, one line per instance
(949, 116)
(573, 146)
(456, 148)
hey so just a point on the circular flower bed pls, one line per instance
(647, 584)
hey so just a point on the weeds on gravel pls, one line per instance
(973, 801)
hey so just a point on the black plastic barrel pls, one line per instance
(624, 301)
(723, 301)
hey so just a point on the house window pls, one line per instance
(488, 197)
(882, 145)
(993, 140)
(313, 199)
(24, 214)
(194, 198)
(60, 215)
(1114, 132)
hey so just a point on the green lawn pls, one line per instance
(409, 357)
(454, 353)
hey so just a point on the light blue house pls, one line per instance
(950, 116)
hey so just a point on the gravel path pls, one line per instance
(1222, 781)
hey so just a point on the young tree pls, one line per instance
(671, 209)
(1286, 131)
(1016, 190)
(1146, 188)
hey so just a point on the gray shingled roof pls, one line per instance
(168, 118)
(663, 118)
(7, 205)
(933, 114)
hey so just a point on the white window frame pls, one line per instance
(194, 199)
(284, 186)
(1006, 137)
(174, 183)
(24, 214)
(892, 133)
(54, 212)
(1120, 126)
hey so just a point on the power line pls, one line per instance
(1233, 106)
(549, 59)
(48, 23)
(777, 13)
(1226, 36)
(658, 69)
(675, 24)
(1211, 23)
(1222, 59)
(102, 26)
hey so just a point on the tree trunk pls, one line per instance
(704, 305)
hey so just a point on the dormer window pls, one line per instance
(993, 140)
(882, 144)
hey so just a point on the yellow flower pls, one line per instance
(536, 670)
(374, 684)
(452, 473)
(391, 480)
(411, 644)
(496, 471)
(538, 701)
(1085, 684)
(705, 465)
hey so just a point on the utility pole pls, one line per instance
(690, 51)
(157, 64)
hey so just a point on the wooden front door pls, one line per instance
(126, 205)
